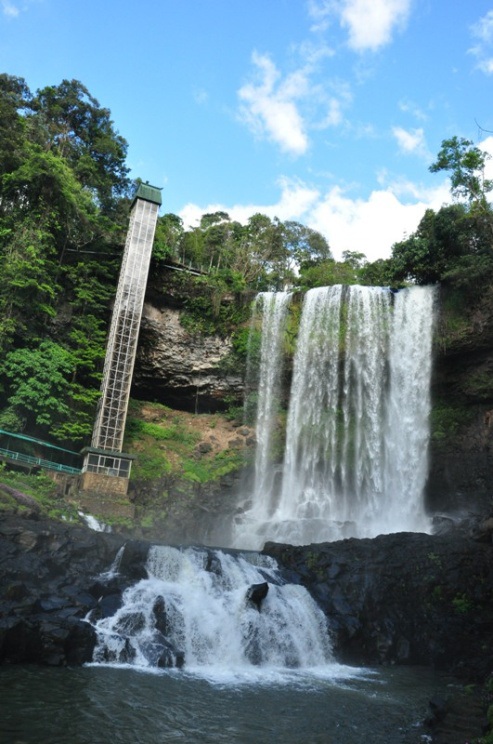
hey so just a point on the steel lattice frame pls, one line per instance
(109, 427)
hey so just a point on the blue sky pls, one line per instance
(327, 112)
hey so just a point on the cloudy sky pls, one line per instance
(328, 112)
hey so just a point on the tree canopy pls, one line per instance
(453, 245)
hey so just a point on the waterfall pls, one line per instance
(194, 610)
(407, 429)
(355, 460)
(271, 308)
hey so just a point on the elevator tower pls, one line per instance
(106, 468)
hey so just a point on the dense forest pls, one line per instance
(65, 195)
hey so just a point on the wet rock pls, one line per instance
(213, 564)
(256, 593)
(159, 612)
(133, 562)
(107, 606)
(48, 569)
(404, 598)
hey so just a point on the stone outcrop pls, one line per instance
(50, 579)
(404, 598)
(180, 368)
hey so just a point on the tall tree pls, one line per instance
(71, 122)
(465, 164)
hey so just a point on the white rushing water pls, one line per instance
(204, 616)
(355, 460)
(271, 308)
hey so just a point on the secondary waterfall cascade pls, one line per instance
(271, 308)
(355, 460)
(196, 609)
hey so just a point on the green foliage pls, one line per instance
(453, 245)
(263, 254)
(62, 181)
(446, 421)
(42, 489)
(169, 233)
(326, 274)
(462, 604)
(207, 470)
(465, 164)
(38, 381)
(150, 465)
(159, 432)
(379, 273)
(72, 122)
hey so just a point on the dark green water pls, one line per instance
(104, 705)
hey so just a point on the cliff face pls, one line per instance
(461, 448)
(182, 369)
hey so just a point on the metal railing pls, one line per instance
(31, 460)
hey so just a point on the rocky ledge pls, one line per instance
(51, 576)
(404, 598)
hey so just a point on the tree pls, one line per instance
(305, 247)
(446, 245)
(169, 233)
(72, 123)
(355, 259)
(465, 164)
(63, 210)
(377, 273)
(15, 98)
(38, 380)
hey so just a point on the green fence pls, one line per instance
(30, 460)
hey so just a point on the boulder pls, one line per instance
(256, 593)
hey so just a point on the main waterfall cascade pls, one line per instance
(355, 460)
(196, 608)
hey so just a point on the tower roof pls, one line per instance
(148, 193)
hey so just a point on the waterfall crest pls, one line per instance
(355, 460)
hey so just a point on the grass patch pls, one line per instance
(39, 487)
(211, 469)
(165, 442)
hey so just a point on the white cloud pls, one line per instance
(487, 146)
(320, 11)
(200, 96)
(269, 106)
(9, 9)
(411, 141)
(483, 49)
(296, 200)
(284, 109)
(371, 23)
(409, 107)
(370, 225)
